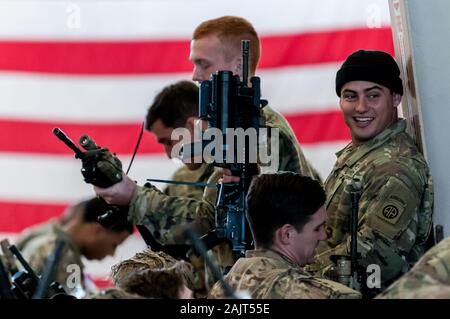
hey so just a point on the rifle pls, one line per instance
(227, 104)
(50, 270)
(25, 283)
(200, 248)
(5, 286)
(349, 271)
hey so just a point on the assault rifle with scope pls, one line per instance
(229, 105)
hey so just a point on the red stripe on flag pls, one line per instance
(313, 128)
(149, 57)
(37, 137)
(322, 47)
(17, 216)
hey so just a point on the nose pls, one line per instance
(196, 75)
(361, 106)
(322, 234)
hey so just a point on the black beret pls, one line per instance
(373, 66)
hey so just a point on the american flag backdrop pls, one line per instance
(93, 67)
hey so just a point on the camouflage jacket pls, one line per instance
(178, 205)
(395, 207)
(70, 270)
(184, 174)
(428, 279)
(35, 231)
(162, 212)
(266, 274)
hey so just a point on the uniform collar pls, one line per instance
(350, 154)
(272, 254)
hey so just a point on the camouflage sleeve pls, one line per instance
(388, 219)
(314, 288)
(429, 278)
(161, 213)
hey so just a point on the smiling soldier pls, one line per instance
(395, 207)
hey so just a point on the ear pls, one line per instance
(284, 234)
(396, 98)
(190, 122)
(96, 228)
(192, 126)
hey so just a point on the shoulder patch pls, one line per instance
(391, 211)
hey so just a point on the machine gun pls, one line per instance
(348, 269)
(5, 286)
(25, 282)
(227, 104)
(101, 168)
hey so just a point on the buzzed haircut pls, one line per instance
(174, 105)
(231, 31)
(282, 198)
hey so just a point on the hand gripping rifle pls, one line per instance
(230, 106)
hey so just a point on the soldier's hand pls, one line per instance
(227, 177)
(119, 193)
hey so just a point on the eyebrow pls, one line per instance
(375, 87)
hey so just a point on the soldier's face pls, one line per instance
(209, 55)
(309, 236)
(104, 243)
(163, 135)
(368, 109)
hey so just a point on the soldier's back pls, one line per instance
(37, 251)
(428, 279)
(267, 276)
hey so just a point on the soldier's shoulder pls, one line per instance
(181, 172)
(306, 286)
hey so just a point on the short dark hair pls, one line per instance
(174, 105)
(92, 208)
(274, 200)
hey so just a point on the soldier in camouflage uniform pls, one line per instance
(428, 279)
(287, 217)
(161, 213)
(34, 231)
(83, 236)
(395, 207)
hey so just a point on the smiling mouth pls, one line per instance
(363, 121)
